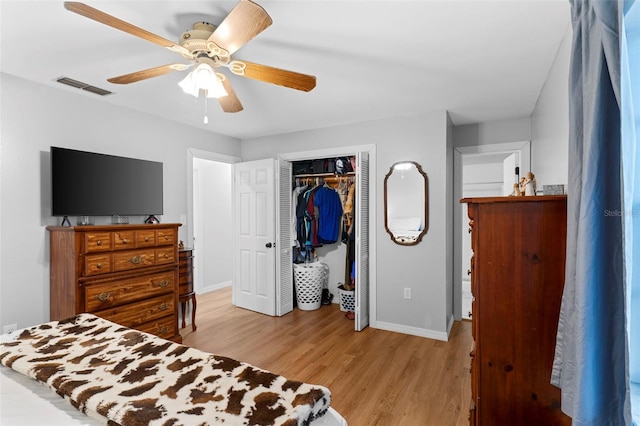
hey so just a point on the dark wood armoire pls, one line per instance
(517, 278)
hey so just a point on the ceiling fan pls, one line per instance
(208, 47)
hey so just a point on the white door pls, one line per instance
(362, 241)
(254, 280)
(509, 176)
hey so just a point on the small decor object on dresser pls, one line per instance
(528, 184)
(151, 219)
(553, 189)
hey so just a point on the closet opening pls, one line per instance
(323, 230)
(263, 255)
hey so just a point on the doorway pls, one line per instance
(209, 212)
(479, 171)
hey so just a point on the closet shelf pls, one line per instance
(336, 175)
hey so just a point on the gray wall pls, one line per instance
(425, 267)
(550, 122)
(35, 117)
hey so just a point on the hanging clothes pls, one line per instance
(311, 219)
(299, 189)
(327, 201)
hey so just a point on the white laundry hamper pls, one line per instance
(347, 299)
(310, 279)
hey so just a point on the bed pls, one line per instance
(87, 371)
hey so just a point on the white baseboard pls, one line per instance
(214, 287)
(415, 331)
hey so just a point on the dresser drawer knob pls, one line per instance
(125, 241)
(163, 307)
(104, 296)
(99, 242)
(166, 237)
(163, 284)
(99, 265)
(163, 329)
(166, 256)
(146, 239)
(135, 260)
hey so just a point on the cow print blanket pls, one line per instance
(126, 377)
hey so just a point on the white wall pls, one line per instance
(423, 267)
(492, 132)
(33, 118)
(212, 258)
(550, 122)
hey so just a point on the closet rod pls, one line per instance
(324, 175)
(328, 180)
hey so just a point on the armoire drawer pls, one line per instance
(109, 294)
(136, 314)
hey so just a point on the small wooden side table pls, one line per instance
(187, 293)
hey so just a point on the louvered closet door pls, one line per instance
(362, 241)
(284, 261)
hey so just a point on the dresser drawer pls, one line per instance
(136, 314)
(96, 264)
(146, 238)
(166, 237)
(97, 241)
(134, 259)
(185, 263)
(109, 294)
(165, 327)
(124, 240)
(165, 255)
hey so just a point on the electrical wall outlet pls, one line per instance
(9, 328)
(407, 293)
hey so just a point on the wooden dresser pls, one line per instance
(186, 285)
(517, 277)
(127, 274)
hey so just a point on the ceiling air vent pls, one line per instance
(83, 86)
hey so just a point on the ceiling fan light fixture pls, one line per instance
(203, 77)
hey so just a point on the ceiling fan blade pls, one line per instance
(291, 79)
(149, 73)
(119, 24)
(245, 21)
(229, 103)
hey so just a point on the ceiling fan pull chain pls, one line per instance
(206, 118)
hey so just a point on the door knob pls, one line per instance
(269, 245)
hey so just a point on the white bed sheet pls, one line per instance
(27, 402)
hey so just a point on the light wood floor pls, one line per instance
(376, 377)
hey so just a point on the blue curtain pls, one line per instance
(591, 362)
(630, 97)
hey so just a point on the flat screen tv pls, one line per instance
(92, 184)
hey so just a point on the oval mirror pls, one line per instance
(405, 203)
